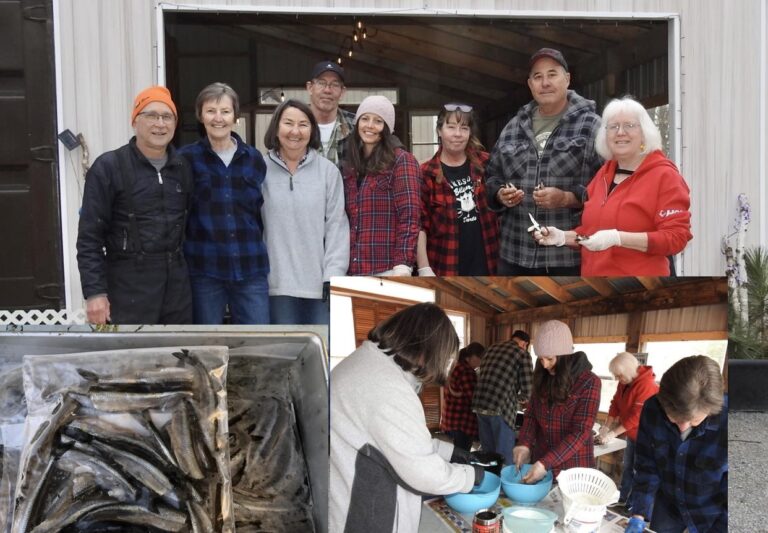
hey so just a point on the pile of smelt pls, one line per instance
(135, 452)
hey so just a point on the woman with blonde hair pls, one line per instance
(637, 383)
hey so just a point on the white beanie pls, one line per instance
(553, 338)
(378, 105)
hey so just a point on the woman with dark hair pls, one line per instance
(563, 407)
(381, 187)
(460, 234)
(305, 226)
(382, 454)
(224, 248)
(458, 420)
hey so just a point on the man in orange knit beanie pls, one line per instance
(135, 204)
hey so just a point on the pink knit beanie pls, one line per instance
(379, 105)
(553, 338)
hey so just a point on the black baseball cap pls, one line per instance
(325, 66)
(551, 53)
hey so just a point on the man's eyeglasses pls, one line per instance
(464, 108)
(153, 116)
(335, 85)
(628, 127)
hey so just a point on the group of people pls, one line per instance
(178, 236)
(383, 458)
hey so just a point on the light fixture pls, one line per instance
(282, 95)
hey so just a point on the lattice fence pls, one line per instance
(44, 317)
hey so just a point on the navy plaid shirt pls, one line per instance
(225, 233)
(568, 162)
(504, 378)
(692, 474)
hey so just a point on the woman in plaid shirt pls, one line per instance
(381, 188)
(458, 420)
(557, 428)
(460, 234)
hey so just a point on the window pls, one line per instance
(342, 330)
(423, 135)
(600, 355)
(664, 354)
(459, 321)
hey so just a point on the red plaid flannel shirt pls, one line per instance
(384, 217)
(439, 221)
(457, 409)
(560, 435)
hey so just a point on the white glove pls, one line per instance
(426, 272)
(602, 240)
(401, 270)
(549, 236)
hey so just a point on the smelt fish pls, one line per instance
(118, 402)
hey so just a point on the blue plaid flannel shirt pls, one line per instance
(692, 475)
(225, 232)
(569, 162)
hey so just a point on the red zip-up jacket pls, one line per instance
(627, 403)
(655, 199)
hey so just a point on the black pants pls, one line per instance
(149, 289)
(510, 269)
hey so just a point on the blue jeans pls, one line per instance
(293, 310)
(248, 300)
(496, 436)
(628, 471)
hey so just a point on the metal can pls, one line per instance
(486, 521)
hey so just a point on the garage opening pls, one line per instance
(419, 61)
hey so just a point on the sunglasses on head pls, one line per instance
(464, 108)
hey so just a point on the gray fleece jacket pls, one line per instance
(305, 225)
(380, 443)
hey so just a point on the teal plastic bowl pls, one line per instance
(518, 491)
(481, 497)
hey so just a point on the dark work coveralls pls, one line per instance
(129, 240)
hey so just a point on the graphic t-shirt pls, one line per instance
(326, 130)
(543, 128)
(471, 250)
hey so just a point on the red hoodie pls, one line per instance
(629, 399)
(655, 199)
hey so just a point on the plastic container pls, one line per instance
(300, 347)
(519, 492)
(528, 520)
(586, 494)
(482, 497)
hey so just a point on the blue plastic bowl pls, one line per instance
(518, 491)
(481, 497)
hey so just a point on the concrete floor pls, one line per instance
(748, 471)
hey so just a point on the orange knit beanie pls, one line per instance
(157, 93)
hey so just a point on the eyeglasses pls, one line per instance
(464, 108)
(153, 116)
(628, 127)
(323, 84)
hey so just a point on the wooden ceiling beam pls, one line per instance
(483, 291)
(650, 283)
(508, 285)
(417, 42)
(442, 284)
(699, 291)
(601, 286)
(551, 287)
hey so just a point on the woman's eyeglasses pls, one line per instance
(628, 127)
(464, 108)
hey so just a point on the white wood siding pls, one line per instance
(108, 53)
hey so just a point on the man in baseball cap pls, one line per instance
(132, 223)
(534, 178)
(326, 88)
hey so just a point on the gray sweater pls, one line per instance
(374, 404)
(305, 226)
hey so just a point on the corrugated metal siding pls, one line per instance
(686, 319)
(108, 54)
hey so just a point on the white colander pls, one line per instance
(586, 493)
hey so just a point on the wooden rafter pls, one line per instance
(482, 291)
(551, 287)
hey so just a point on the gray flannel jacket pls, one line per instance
(568, 162)
(504, 378)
